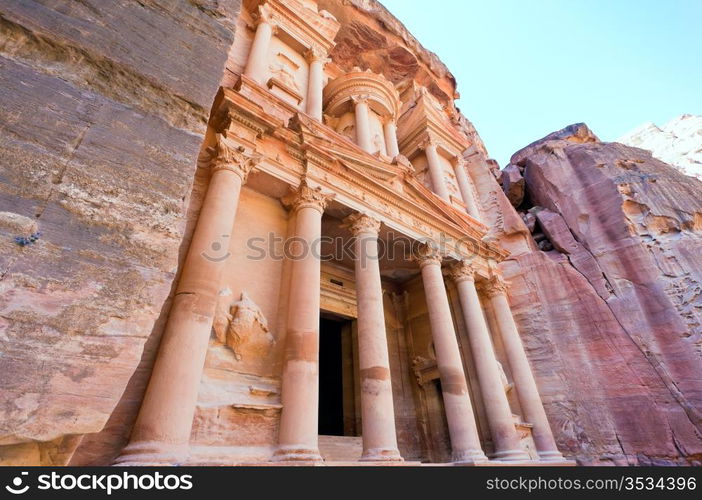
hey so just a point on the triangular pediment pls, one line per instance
(395, 179)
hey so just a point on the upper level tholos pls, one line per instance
(286, 52)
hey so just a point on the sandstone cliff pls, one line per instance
(103, 110)
(607, 290)
(678, 142)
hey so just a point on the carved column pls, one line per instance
(527, 391)
(465, 442)
(316, 59)
(390, 132)
(297, 438)
(363, 133)
(377, 412)
(436, 170)
(258, 54)
(465, 185)
(499, 414)
(162, 429)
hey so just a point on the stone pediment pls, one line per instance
(397, 175)
(361, 180)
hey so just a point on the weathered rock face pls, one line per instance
(103, 110)
(611, 316)
(678, 142)
(513, 184)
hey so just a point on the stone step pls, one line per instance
(340, 448)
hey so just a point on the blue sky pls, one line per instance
(527, 68)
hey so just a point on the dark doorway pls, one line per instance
(331, 382)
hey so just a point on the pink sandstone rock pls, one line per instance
(513, 184)
(618, 315)
(101, 136)
(610, 319)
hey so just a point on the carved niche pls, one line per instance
(241, 326)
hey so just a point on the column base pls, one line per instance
(551, 456)
(381, 455)
(511, 455)
(152, 453)
(469, 457)
(296, 454)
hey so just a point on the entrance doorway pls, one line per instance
(337, 404)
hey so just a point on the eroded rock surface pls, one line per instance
(103, 109)
(611, 316)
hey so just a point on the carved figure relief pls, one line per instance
(284, 68)
(378, 143)
(349, 131)
(241, 326)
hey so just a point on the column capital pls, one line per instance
(359, 223)
(459, 161)
(316, 53)
(264, 14)
(462, 271)
(307, 197)
(388, 120)
(428, 142)
(360, 99)
(231, 157)
(494, 286)
(427, 254)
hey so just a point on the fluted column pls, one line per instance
(499, 415)
(436, 170)
(297, 436)
(390, 132)
(363, 133)
(258, 54)
(466, 188)
(527, 391)
(316, 58)
(465, 442)
(377, 412)
(162, 430)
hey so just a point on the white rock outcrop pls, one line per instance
(678, 142)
